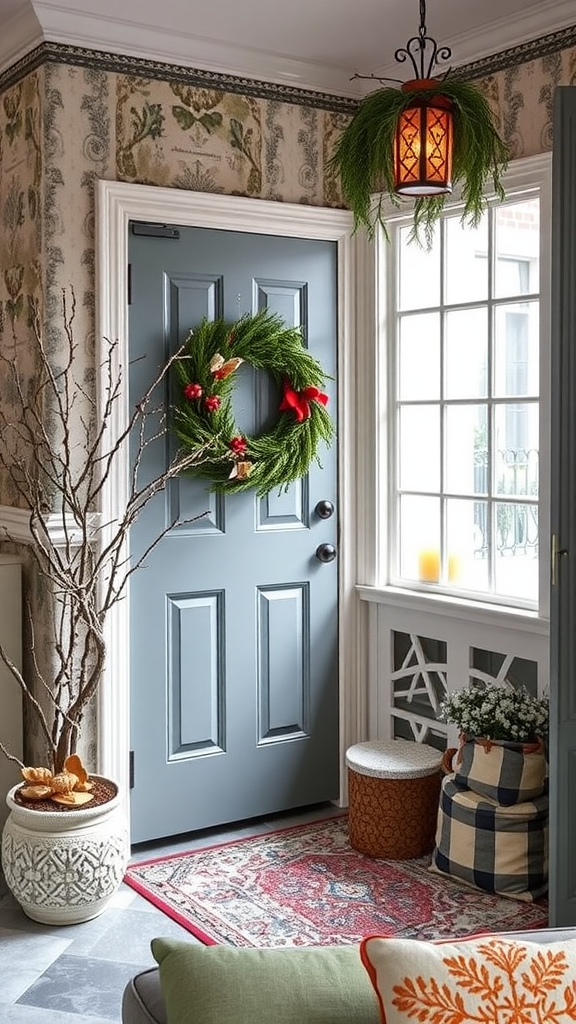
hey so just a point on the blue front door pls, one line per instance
(234, 621)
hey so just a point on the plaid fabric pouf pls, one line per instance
(501, 849)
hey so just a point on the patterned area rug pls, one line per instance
(305, 886)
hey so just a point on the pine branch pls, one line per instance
(277, 456)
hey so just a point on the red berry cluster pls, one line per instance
(194, 391)
(238, 445)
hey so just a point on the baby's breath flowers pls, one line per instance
(497, 712)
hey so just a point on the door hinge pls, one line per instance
(131, 770)
(156, 231)
(129, 283)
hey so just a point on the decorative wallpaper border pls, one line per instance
(60, 53)
(563, 39)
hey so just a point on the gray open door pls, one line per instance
(563, 517)
(234, 618)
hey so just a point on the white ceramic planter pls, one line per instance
(63, 867)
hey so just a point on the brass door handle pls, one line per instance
(556, 552)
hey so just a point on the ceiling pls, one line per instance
(308, 44)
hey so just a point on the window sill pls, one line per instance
(456, 608)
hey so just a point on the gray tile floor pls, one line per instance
(76, 974)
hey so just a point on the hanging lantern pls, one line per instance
(416, 141)
(423, 144)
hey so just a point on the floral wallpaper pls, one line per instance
(172, 134)
(66, 123)
(20, 217)
(63, 125)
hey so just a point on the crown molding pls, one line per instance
(48, 21)
(508, 41)
(21, 34)
(85, 28)
(549, 17)
(59, 53)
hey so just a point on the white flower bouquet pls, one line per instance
(497, 713)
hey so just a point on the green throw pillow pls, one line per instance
(225, 985)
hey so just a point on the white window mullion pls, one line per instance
(501, 251)
(443, 425)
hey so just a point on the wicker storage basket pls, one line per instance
(393, 798)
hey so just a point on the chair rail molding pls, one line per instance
(15, 527)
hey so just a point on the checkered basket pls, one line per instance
(501, 849)
(509, 773)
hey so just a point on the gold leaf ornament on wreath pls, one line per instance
(203, 416)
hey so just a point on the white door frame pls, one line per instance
(117, 204)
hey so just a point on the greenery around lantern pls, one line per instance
(364, 156)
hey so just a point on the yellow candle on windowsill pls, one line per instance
(429, 565)
(454, 567)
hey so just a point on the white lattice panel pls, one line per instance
(419, 650)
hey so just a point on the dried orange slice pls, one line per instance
(73, 764)
(64, 782)
(72, 799)
(41, 775)
(35, 792)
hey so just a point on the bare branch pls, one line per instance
(57, 449)
(28, 695)
(10, 756)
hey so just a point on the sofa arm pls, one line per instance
(142, 1002)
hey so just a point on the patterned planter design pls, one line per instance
(63, 867)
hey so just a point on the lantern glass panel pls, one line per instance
(423, 149)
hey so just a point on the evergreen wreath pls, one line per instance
(202, 410)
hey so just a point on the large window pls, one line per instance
(466, 423)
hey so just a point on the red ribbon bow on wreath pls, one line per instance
(299, 401)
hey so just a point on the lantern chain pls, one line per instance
(415, 46)
(418, 45)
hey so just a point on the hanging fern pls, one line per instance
(364, 156)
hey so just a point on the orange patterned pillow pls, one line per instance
(481, 980)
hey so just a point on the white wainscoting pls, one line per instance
(10, 696)
(422, 647)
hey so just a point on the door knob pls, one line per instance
(325, 552)
(324, 509)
